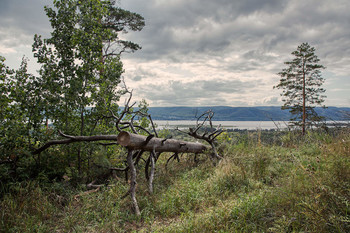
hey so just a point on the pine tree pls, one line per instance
(301, 83)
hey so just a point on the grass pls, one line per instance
(289, 184)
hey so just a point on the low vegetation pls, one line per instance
(267, 182)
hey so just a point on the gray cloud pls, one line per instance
(189, 28)
(26, 18)
(205, 92)
(136, 78)
(188, 44)
(247, 38)
(19, 21)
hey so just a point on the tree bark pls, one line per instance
(304, 101)
(151, 177)
(140, 142)
(72, 139)
(133, 182)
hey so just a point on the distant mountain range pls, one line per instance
(223, 113)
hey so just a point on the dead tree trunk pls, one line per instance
(137, 144)
(133, 183)
(134, 142)
(140, 142)
(153, 167)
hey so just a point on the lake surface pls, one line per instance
(250, 125)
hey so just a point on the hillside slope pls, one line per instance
(224, 113)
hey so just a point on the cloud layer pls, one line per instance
(203, 52)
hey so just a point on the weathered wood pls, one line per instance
(133, 183)
(73, 139)
(140, 142)
(151, 177)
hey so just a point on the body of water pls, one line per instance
(250, 125)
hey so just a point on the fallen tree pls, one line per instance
(137, 144)
(150, 143)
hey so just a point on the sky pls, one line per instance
(209, 53)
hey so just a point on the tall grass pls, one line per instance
(288, 184)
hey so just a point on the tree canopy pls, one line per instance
(301, 85)
(81, 64)
(77, 86)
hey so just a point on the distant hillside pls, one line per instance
(223, 113)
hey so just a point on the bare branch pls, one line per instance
(174, 156)
(133, 183)
(153, 167)
(72, 139)
(206, 136)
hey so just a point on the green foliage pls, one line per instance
(301, 84)
(21, 123)
(81, 69)
(81, 64)
(76, 89)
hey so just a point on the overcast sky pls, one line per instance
(205, 52)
